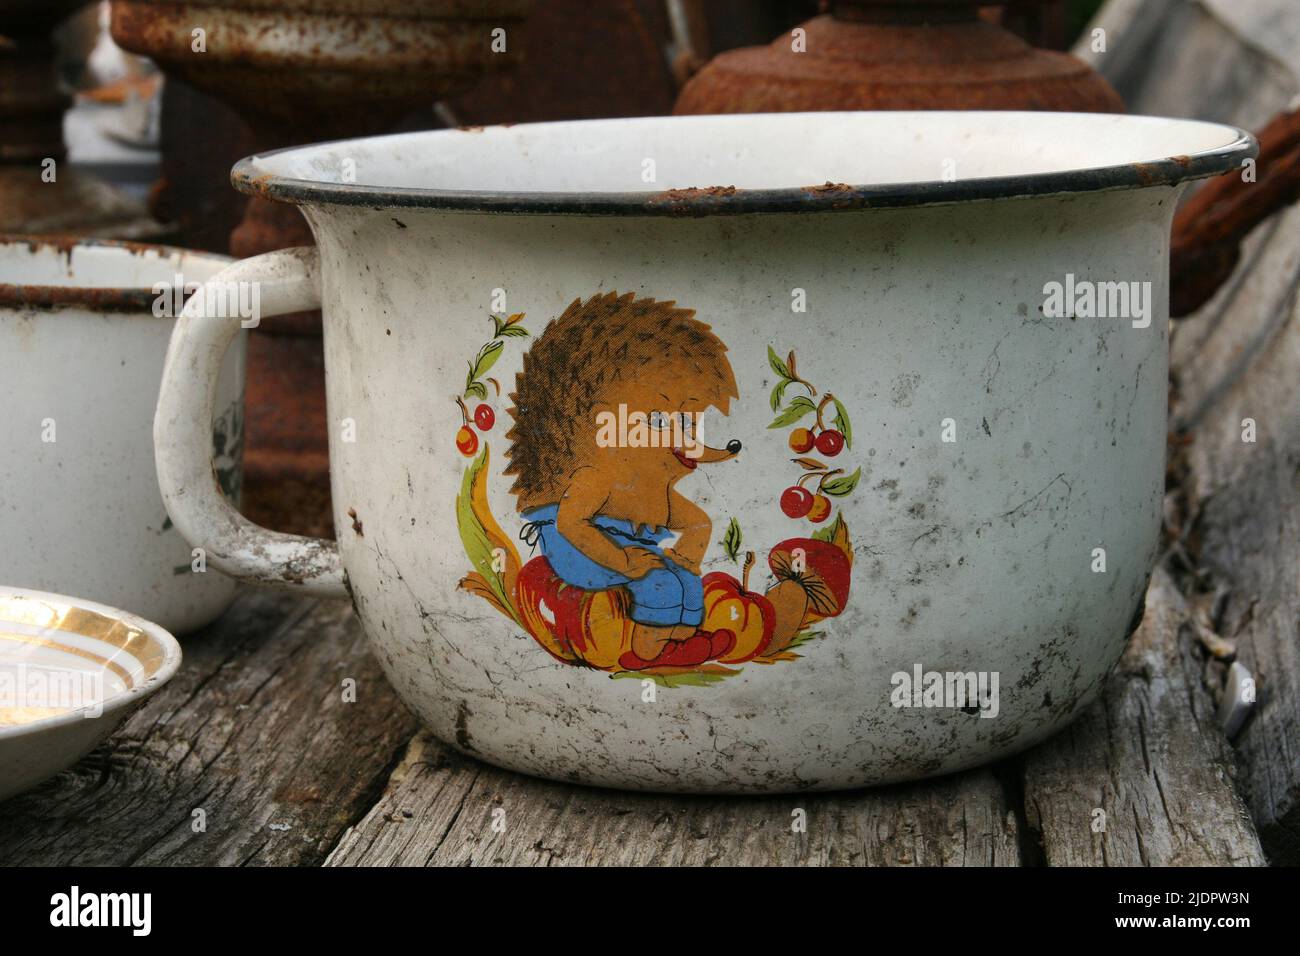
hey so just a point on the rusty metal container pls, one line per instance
(897, 55)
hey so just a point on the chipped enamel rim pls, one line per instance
(256, 176)
(128, 299)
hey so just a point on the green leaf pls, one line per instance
(787, 653)
(828, 533)
(778, 393)
(778, 366)
(731, 540)
(514, 331)
(476, 539)
(797, 409)
(803, 637)
(843, 485)
(684, 679)
(497, 325)
(841, 421)
(487, 357)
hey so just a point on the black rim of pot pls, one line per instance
(726, 200)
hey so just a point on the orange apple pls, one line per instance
(576, 626)
(730, 606)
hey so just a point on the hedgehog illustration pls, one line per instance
(601, 510)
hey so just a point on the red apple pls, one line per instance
(728, 606)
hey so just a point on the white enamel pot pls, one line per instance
(84, 328)
(914, 363)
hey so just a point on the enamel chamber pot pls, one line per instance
(727, 453)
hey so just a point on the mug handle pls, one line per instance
(286, 281)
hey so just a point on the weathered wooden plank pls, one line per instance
(1240, 363)
(445, 809)
(1181, 58)
(1239, 358)
(1144, 777)
(252, 730)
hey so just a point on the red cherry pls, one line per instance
(801, 440)
(796, 501)
(820, 510)
(466, 441)
(485, 418)
(830, 443)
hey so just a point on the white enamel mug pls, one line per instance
(84, 327)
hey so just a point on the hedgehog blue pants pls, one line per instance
(666, 596)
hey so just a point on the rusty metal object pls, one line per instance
(285, 400)
(319, 69)
(298, 72)
(896, 55)
(32, 105)
(321, 64)
(735, 23)
(1043, 23)
(201, 138)
(1210, 226)
(590, 61)
(139, 300)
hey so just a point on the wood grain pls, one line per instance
(252, 731)
(1240, 360)
(1144, 777)
(1237, 358)
(445, 809)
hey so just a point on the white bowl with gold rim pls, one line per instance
(70, 673)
